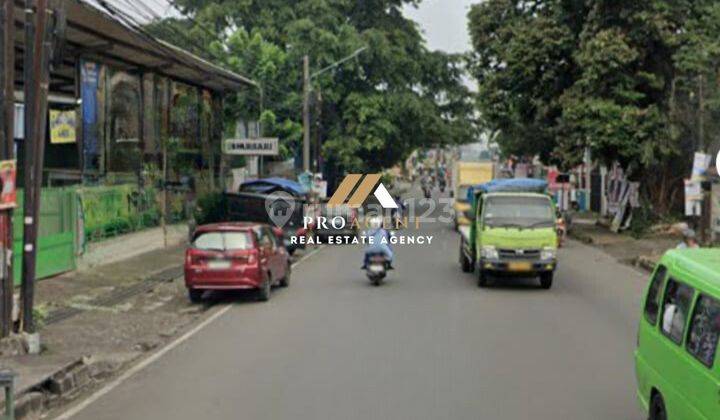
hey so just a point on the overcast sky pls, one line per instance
(444, 23)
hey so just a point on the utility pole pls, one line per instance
(36, 69)
(7, 134)
(306, 114)
(318, 131)
(705, 212)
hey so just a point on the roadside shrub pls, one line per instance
(210, 208)
(643, 218)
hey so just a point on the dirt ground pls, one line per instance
(624, 247)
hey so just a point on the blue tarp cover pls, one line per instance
(267, 184)
(509, 185)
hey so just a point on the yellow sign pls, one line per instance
(62, 126)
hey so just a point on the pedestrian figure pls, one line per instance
(689, 240)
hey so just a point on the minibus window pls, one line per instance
(704, 330)
(652, 304)
(676, 307)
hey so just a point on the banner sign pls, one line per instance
(252, 147)
(701, 162)
(62, 126)
(8, 191)
(693, 198)
(89, 78)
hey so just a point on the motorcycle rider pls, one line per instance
(426, 187)
(377, 245)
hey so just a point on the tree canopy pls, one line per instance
(374, 109)
(635, 82)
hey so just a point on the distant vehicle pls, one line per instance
(377, 267)
(465, 175)
(677, 374)
(236, 256)
(512, 231)
(254, 202)
(338, 220)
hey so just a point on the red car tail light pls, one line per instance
(244, 258)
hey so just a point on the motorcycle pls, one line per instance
(377, 267)
(427, 191)
(442, 186)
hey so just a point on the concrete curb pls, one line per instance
(582, 237)
(645, 263)
(66, 383)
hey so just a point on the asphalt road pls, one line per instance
(429, 344)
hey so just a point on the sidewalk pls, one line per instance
(99, 320)
(643, 252)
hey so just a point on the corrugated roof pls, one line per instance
(94, 33)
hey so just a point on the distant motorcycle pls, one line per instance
(427, 191)
(377, 267)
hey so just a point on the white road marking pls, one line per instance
(157, 355)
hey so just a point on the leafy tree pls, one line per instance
(375, 109)
(636, 82)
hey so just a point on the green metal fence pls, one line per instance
(57, 232)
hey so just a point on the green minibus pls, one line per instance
(678, 377)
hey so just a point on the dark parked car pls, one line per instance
(337, 220)
(236, 256)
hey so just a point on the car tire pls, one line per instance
(263, 293)
(546, 280)
(657, 408)
(465, 263)
(482, 278)
(195, 295)
(285, 281)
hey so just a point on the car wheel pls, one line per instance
(466, 265)
(657, 408)
(482, 278)
(195, 295)
(265, 289)
(546, 280)
(285, 281)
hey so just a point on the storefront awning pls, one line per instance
(94, 34)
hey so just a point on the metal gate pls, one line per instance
(57, 230)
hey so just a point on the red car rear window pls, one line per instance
(223, 241)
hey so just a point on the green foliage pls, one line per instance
(211, 208)
(621, 78)
(643, 219)
(114, 210)
(375, 109)
(40, 314)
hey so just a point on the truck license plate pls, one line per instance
(519, 266)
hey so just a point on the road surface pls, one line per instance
(429, 344)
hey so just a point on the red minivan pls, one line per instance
(235, 256)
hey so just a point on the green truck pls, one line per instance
(512, 232)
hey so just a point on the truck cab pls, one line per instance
(512, 231)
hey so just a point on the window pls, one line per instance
(704, 330)
(222, 241)
(522, 212)
(652, 304)
(263, 239)
(237, 240)
(270, 237)
(676, 308)
(209, 241)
